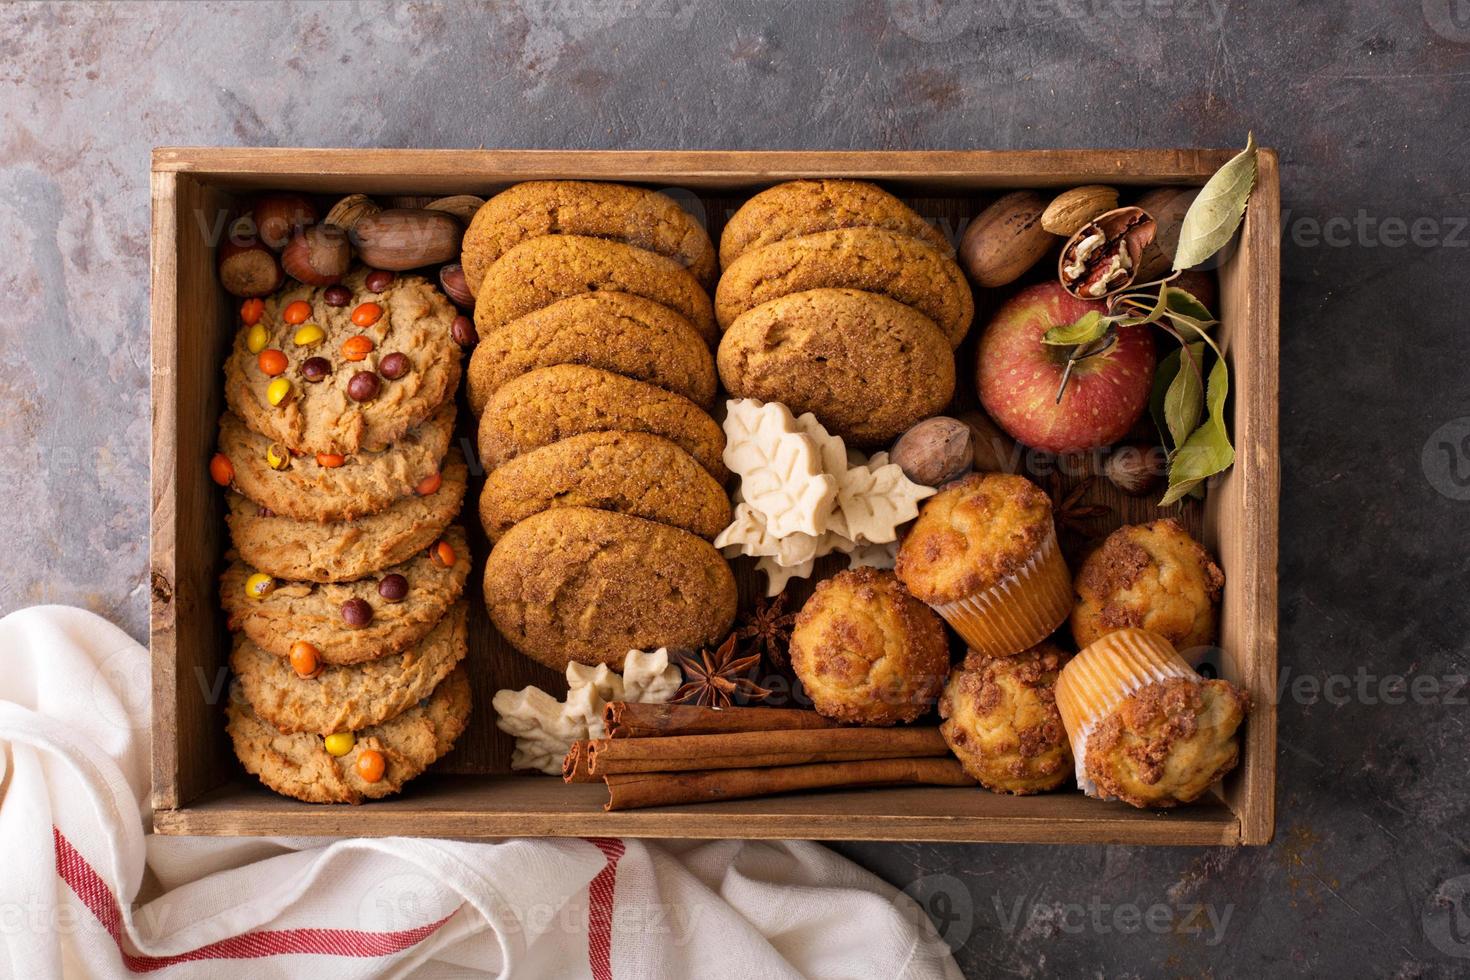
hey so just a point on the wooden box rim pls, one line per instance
(493, 806)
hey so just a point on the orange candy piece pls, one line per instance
(272, 362)
(251, 311)
(305, 659)
(357, 348)
(442, 554)
(429, 484)
(221, 470)
(296, 311)
(371, 765)
(366, 314)
(330, 460)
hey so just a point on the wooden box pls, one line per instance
(198, 786)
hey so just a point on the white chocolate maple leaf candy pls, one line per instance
(875, 501)
(748, 535)
(780, 468)
(778, 575)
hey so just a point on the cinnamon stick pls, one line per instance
(625, 719)
(745, 750)
(638, 790)
(574, 768)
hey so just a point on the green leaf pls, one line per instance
(1216, 212)
(1088, 328)
(1184, 402)
(1207, 451)
(1184, 303)
(1163, 378)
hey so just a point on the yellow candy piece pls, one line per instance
(341, 743)
(259, 585)
(308, 335)
(277, 456)
(257, 338)
(278, 391)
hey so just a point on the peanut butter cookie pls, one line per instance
(617, 332)
(554, 403)
(540, 271)
(633, 215)
(879, 261)
(866, 366)
(628, 472)
(575, 584)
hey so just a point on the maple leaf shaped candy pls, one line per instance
(875, 501)
(748, 535)
(780, 469)
(778, 575)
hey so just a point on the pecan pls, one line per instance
(1102, 257)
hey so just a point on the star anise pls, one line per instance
(769, 629)
(1070, 513)
(718, 678)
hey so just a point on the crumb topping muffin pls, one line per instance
(540, 271)
(321, 378)
(867, 652)
(576, 584)
(1153, 576)
(1001, 720)
(902, 268)
(627, 472)
(802, 207)
(866, 366)
(633, 215)
(555, 403)
(616, 332)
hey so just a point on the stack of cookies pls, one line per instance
(839, 300)
(344, 589)
(593, 382)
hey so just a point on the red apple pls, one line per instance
(1018, 376)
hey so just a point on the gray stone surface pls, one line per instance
(1367, 103)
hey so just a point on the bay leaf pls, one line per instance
(1207, 451)
(1089, 327)
(1184, 402)
(1215, 214)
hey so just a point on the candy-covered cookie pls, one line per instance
(339, 369)
(301, 694)
(341, 551)
(349, 622)
(352, 766)
(332, 487)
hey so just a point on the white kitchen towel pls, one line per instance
(86, 891)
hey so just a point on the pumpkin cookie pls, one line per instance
(617, 332)
(900, 267)
(801, 207)
(364, 483)
(349, 622)
(574, 584)
(347, 699)
(628, 472)
(380, 760)
(551, 404)
(321, 378)
(540, 271)
(866, 366)
(633, 215)
(345, 550)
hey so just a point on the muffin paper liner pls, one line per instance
(1096, 681)
(1020, 610)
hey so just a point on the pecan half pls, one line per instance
(1102, 256)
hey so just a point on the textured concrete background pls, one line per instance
(1369, 872)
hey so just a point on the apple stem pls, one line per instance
(1082, 352)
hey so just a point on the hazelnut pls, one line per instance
(1137, 469)
(935, 451)
(1167, 206)
(249, 269)
(318, 256)
(994, 451)
(407, 238)
(452, 281)
(279, 216)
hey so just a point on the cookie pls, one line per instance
(617, 332)
(348, 699)
(313, 612)
(575, 584)
(866, 366)
(540, 271)
(356, 405)
(634, 215)
(900, 267)
(628, 472)
(802, 207)
(299, 765)
(554, 403)
(341, 551)
(365, 483)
